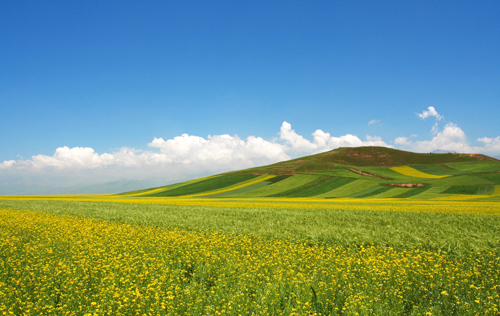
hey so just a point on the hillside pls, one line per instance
(362, 172)
(365, 157)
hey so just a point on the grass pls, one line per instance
(286, 184)
(451, 232)
(387, 173)
(459, 180)
(448, 205)
(341, 173)
(116, 255)
(284, 239)
(476, 166)
(238, 191)
(375, 191)
(235, 192)
(210, 184)
(332, 175)
(440, 169)
(394, 191)
(350, 188)
(411, 192)
(468, 189)
(166, 187)
(362, 157)
(462, 189)
(317, 187)
(237, 186)
(497, 190)
(411, 172)
(367, 192)
(57, 264)
(493, 177)
(430, 193)
(382, 156)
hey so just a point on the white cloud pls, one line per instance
(485, 140)
(491, 145)
(374, 121)
(431, 111)
(219, 149)
(220, 152)
(179, 158)
(189, 156)
(451, 138)
(402, 141)
(323, 141)
(6, 164)
(72, 158)
(435, 129)
(297, 142)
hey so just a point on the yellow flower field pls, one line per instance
(62, 265)
(447, 205)
(231, 188)
(412, 172)
(497, 191)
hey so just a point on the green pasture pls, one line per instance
(470, 189)
(351, 188)
(286, 184)
(467, 243)
(373, 191)
(439, 170)
(475, 166)
(493, 177)
(470, 179)
(206, 185)
(453, 233)
(412, 192)
(388, 173)
(167, 187)
(332, 175)
(319, 186)
(366, 192)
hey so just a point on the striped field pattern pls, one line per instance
(62, 265)
(409, 171)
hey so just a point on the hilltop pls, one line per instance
(362, 172)
(364, 157)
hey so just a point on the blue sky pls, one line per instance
(100, 77)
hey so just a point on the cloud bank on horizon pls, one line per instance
(189, 156)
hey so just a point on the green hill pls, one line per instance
(362, 172)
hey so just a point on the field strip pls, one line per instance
(397, 205)
(168, 187)
(459, 197)
(411, 172)
(497, 191)
(69, 265)
(232, 188)
(147, 192)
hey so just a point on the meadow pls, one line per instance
(107, 255)
(310, 236)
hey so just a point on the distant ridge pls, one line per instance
(363, 157)
(361, 172)
(441, 151)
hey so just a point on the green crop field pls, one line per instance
(284, 185)
(338, 233)
(351, 187)
(205, 185)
